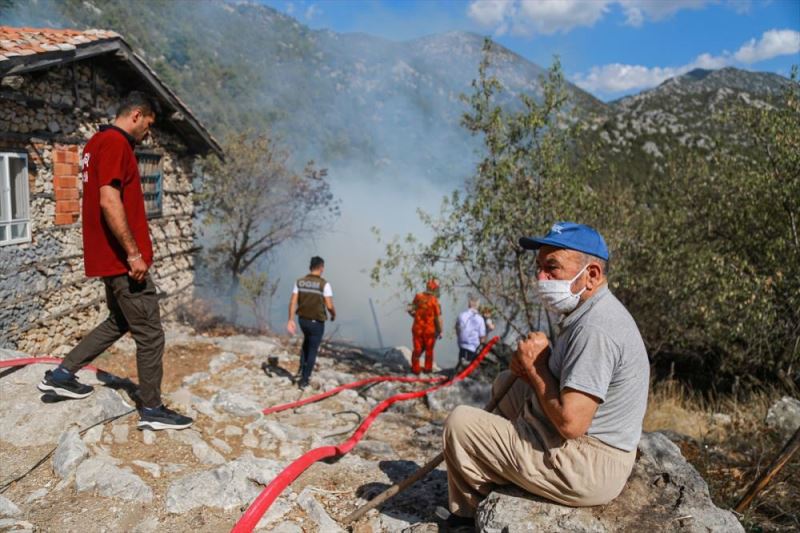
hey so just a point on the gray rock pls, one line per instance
(206, 407)
(221, 361)
(148, 525)
(37, 495)
(784, 416)
(317, 513)
(70, 452)
(250, 440)
(173, 468)
(466, 392)
(397, 522)
(8, 508)
(102, 474)
(200, 448)
(194, 379)
(339, 378)
(120, 432)
(148, 437)
(15, 526)
(94, 435)
(236, 403)
(151, 468)
(249, 345)
(276, 511)
(221, 445)
(287, 527)
(664, 491)
(23, 413)
(233, 431)
(375, 448)
(228, 486)
(278, 431)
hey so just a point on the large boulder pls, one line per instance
(102, 475)
(70, 452)
(784, 416)
(466, 392)
(227, 487)
(664, 493)
(27, 421)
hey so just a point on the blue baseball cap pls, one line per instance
(571, 236)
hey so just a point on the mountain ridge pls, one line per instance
(355, 100)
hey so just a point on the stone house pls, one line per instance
(56, 88)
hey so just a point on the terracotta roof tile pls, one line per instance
(28, 41)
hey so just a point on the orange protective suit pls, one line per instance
(425, 329)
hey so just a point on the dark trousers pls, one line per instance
(312, 337)
(133, 307)
(466, 355)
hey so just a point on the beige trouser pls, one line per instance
(522, 447)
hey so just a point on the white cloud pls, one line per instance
(312, 12)
(289, 8)
(490, 12)
(637, 11)
(551, 16)
(617, 77)
(772, 44)
(526, 17)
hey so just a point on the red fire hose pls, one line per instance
(352, 385)
(35, 360)
(263, 501)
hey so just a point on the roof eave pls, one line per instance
(23, 64)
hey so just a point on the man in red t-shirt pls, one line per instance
(117, 248)
(427, 326)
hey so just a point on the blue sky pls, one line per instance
(609, 47)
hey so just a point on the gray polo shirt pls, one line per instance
(598, 350)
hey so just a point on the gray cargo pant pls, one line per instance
(132, 306)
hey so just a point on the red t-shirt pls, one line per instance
(108, 159)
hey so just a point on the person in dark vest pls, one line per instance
(312, 302)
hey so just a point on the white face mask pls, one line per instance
(557, 296)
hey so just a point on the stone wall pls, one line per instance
(46, 301)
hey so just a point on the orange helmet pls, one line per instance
(433, 284)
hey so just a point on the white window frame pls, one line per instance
(5, 198)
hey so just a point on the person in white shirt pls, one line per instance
(471, 330)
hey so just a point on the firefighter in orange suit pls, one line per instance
(427, 313)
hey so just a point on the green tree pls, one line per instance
(252, 202)
(532, 175)
(711, 269)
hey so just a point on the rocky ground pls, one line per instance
(116, 478)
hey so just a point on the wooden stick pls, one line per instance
(758, 485)
(422, 472)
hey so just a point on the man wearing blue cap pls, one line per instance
(568, 428)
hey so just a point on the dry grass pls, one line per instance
(730, 445)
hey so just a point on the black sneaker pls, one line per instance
(69, 388)
(303, 384)
(162, 418)
(449, 522)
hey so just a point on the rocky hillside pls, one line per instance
(683, 113)
(360, 102)
(107, 476)
(342, 99)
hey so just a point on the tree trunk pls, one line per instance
(234, 292)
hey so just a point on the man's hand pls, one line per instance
(531, 352)
(138, 268)
(291, 327)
